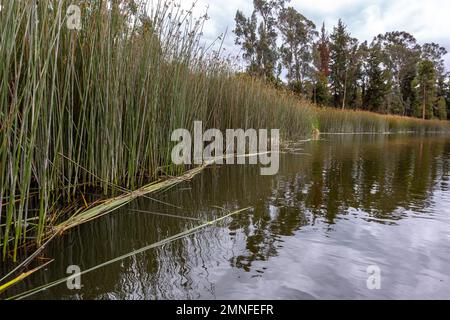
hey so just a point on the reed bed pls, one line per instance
(94, 108)
(330, 120)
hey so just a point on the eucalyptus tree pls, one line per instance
(296, 52)
(435, 53)
(258, 37)
(401, 56)
(247, 38)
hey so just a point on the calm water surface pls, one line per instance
(336, 207)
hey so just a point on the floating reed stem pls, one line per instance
(175, 237)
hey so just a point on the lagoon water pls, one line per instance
(337, 207)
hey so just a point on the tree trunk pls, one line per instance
(345, 90)
(424, 102)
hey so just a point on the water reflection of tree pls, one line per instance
(382, 180)
(378, 179)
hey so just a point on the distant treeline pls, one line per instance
(393, 74)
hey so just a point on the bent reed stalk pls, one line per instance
(95, 107)
(178, 236)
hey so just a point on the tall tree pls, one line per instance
(427, 83)
(376, 80)
(435, 53)
(246, 37)
(447, 92)
(321, 57)
(353, 94)
(258, 37)
(298, 34)
(442, 108)
(323, 47)
(401, 55)
(364, 52)
(341, 45)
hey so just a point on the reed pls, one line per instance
(94, 108)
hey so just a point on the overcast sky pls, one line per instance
(427, 20)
